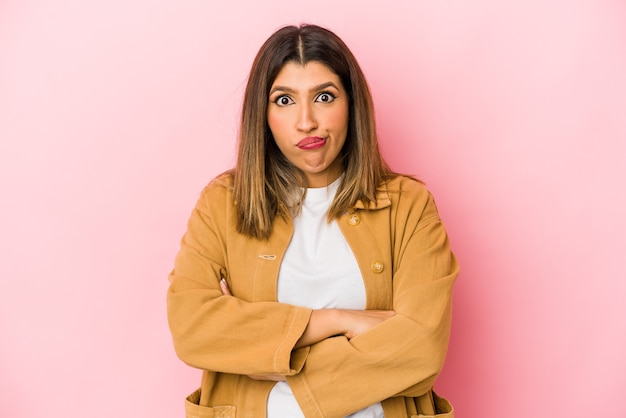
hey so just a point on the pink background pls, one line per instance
(114, 114)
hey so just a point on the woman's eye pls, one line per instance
(283, 100)
(325, 98)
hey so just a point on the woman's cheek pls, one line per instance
(276, 123)
(338, 117)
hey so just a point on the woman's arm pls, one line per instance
(325, 323)
(227, 334)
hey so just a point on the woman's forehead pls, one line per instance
(296, 76)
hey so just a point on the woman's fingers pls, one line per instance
(358, 322)
(225, 288)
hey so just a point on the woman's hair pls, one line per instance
(265, 182)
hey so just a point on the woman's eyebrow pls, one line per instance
(324, 86)
(315, 88)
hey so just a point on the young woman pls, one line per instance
(312, 280)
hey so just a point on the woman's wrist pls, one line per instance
(324, 323)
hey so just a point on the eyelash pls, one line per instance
(331, 95)
(277, 100)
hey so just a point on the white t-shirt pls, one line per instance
(318, 271)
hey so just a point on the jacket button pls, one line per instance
(354, 219)
(377, 267)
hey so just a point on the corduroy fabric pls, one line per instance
(404, 256)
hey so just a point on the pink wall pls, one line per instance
(114, 114)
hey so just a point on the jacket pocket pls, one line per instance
(193, 410)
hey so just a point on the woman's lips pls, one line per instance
(311, 142)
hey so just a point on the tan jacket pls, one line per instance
(403, 252)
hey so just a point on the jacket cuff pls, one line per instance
(287, 361)
(298, 358)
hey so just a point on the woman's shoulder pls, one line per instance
(409, 196)
(222, 183)
(218, 192)
(405, 186)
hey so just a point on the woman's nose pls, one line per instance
(306, 119)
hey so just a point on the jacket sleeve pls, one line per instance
(403, 355)
(223, 333)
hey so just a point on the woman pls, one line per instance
(312, 280)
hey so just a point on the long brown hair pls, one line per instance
(265, 182)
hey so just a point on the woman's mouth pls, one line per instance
(311, 142)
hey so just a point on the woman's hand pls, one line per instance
(225, 288)
(356, 322)
(325, 323)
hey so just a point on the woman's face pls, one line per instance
(308, 116)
